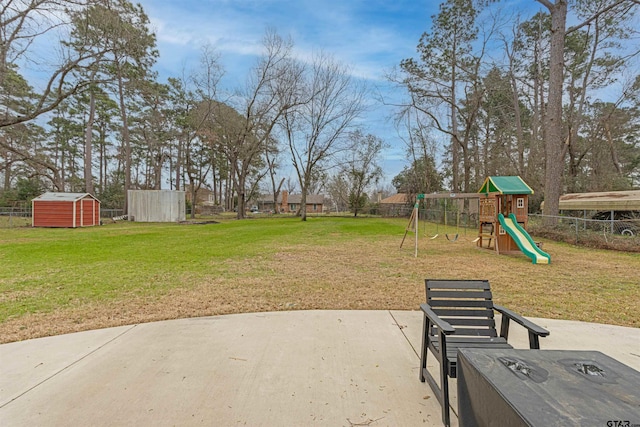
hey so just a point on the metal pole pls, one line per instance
(612, 227)
(417, 211)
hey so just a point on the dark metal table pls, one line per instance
(546, 388)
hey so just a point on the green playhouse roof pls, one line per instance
(505, 185)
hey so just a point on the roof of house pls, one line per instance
(505, 185)
(451, 196)
(602, 201)
(293, 198)
(396, 199)
(63, 197)
(316, 199)
(164, 191)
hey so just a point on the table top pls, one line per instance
(574, 386)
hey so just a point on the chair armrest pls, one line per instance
(532, 327)
(443, 325)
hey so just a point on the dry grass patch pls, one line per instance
(362, 272)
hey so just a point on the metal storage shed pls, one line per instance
(602, 201)
(156, 205)
(65, 210)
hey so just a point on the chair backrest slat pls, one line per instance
(457, 294)
(458, 321)
(435, 303)
(463, 312)
(473, 332)
(466, 304)
(459, 284)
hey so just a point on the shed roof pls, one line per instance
(505, 185)
(602, 201)
(63, 197)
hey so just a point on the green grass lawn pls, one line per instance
(46, 269)
(61, 280)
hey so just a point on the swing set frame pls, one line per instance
(413, 219)
(453, 237)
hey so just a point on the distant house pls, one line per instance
(203, 195)
(397, 205)
(205, 201)
(287, 203)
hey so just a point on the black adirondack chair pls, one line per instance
(460, 314)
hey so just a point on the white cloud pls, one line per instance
(368, 42)
(369, 36)
(171, 34)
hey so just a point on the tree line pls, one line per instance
(487, 94)
(104, 124)
(499, 94)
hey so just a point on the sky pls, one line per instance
(371, 37)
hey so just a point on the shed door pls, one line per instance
(87, 213)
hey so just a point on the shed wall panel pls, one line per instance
(52, 214)
(156, 205)
(61, 213)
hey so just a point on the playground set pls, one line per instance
(503, 217)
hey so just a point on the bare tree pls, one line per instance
(316, 131)
(422, 175)
(200, 135)
(291, 184)
(338, 189)
(361, 168)
(273, 88)
(271, 157)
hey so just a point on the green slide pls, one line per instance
(523, 240)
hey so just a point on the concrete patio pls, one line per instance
(335, 368)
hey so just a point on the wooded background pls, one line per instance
(552, 97)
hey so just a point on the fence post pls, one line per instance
(612, 222)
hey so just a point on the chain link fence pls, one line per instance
(451, 218)
(14, 217)
(616, 234)
(606, 234)
(20, 217)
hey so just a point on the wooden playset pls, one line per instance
(503, 217)
(503, 208)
